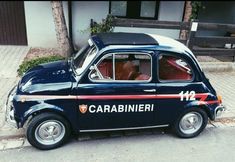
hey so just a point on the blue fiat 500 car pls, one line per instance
(118, 81)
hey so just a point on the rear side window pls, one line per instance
(173, 68)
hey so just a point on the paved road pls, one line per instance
(213, 145)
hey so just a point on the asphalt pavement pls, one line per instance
(213, 145)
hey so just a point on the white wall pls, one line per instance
(83, 11)
(41, 29)
(39, 23)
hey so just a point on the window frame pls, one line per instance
(139, 17)
(75, 70)
(113, 62)
(166, 53)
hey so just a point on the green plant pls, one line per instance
(105, 26)
(26, 65)
(196, 6)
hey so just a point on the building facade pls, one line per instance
(38, 29)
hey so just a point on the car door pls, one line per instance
(116, 91)
(178, 85)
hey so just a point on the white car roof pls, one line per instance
(169, 42)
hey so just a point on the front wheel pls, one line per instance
(191, 123)
(48, 131)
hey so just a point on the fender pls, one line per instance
(41, 106)
(199, 104)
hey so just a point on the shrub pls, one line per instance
(26, 65)
(106, 26)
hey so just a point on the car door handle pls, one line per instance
(150, 90)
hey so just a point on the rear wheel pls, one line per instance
(191, 123)
(48, 131)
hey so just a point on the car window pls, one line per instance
(173, 68)
(103, 70)
(123, 67)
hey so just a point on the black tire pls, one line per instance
(37, 122)
(177, 127)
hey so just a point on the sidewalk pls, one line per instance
(224, 84)
(10, 59)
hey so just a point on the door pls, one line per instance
(12, 24)
(178, 85)
(117, 93)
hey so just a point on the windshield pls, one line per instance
(84, 56)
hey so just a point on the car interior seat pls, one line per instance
(129, 71)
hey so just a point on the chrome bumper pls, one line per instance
(9, 116)
(219, 111)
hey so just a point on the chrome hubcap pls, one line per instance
(49, 132)
(191, 123)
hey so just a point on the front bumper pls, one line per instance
(219, 111)
(10, 116)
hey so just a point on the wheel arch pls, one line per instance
(43, 108)
(196, 104)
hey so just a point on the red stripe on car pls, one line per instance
(201, 96)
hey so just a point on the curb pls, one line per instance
(11, 134)
(217, 66)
